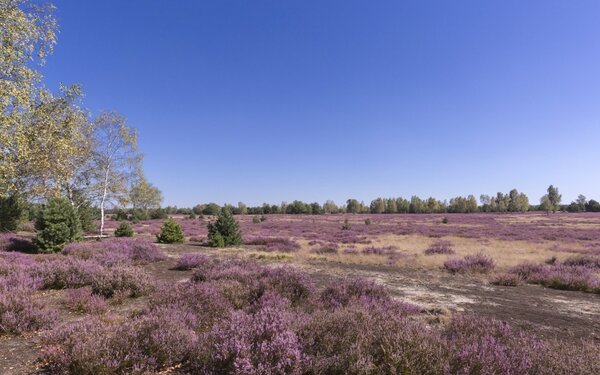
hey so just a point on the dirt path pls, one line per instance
(552, 313)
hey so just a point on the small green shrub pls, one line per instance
(444, 220)
(170, 232)
(225, 231)
(256, 220)
(346, 225)
(57, 225)
(263, 218)
(367, 221)
(124, 230)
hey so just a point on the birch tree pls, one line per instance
(143, 195)
(115, 161)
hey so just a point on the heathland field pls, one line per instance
(319, 294)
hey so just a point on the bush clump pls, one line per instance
(225, 231)
(124, 230)
(440, 247)
(57, 225)
(11, 213)
(170, 232)
(478, 263)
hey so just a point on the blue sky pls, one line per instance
(313, 100)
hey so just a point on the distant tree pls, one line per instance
(143, 195)
(546, 204)
(316, 208)
(390, 206)
(377, 206)
(417, 205)
(402, 205)
(353, 206)
(330, 207)
(581, 201)
(242, 208)
(554, 197)
(486, 203)
(212, 209)
(592, 206)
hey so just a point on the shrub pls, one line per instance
(57, 225)
(124, 230)
(19, 312)
(263, 218)
(225, 231)
(132, 281)
(470, 264)
(444, 220)
(170, 232)
(346, 225)
(507, 279)
(10, 242)
(367, 221)
(584, 261)
(190, 261)
(84, 301)
(440, 247)
(11, 213)
(274, 244)
(256, 220)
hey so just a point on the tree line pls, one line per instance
(513, 201)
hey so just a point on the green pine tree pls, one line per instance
(170, 232)
(57, 225)
(225, 231)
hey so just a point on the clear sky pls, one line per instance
(313, 100)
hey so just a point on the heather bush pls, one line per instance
(170, 232)
(260, 342)
(124, 230)
(130, 280)
(582, 278)
(330, 248)
(116, 251)
(584, 261)
(274, 244)
(489, 346)
(146, 344)
(506, 279)
(349, 291)
(190, 261)
(225, 231)
(369, 340)
(20, 312)
(84, 301)
(57, 225)
(470, 264)
(440, 247)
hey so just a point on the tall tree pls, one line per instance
(143, 195)
(554, 197)
(115, 160)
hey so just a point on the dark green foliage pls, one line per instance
(367, 221)
(225, 231)
(88, 216)
(444, 220)
(592, 206)
(121, 215)
(124, 230)
(192, 216)
(11, 213)
(211, 209)
(256, 219)
(159, 214)
(170, 232)
(57, 225)
(263, 218)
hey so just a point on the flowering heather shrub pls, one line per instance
(145, 344)
(12, 242)
(379, 250)
(507, 279)
(274, 244)
(350, 250)
(489, 346)
(369, 340)
(559, 276)
(82, 300)
(190, 261)
(66, 272)
(258, 342)
(131, 280)
(470, 264)
(346, 292)
(20, 312)
(440, 247)
(116, 251)
(330, 248)
(583, 260)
